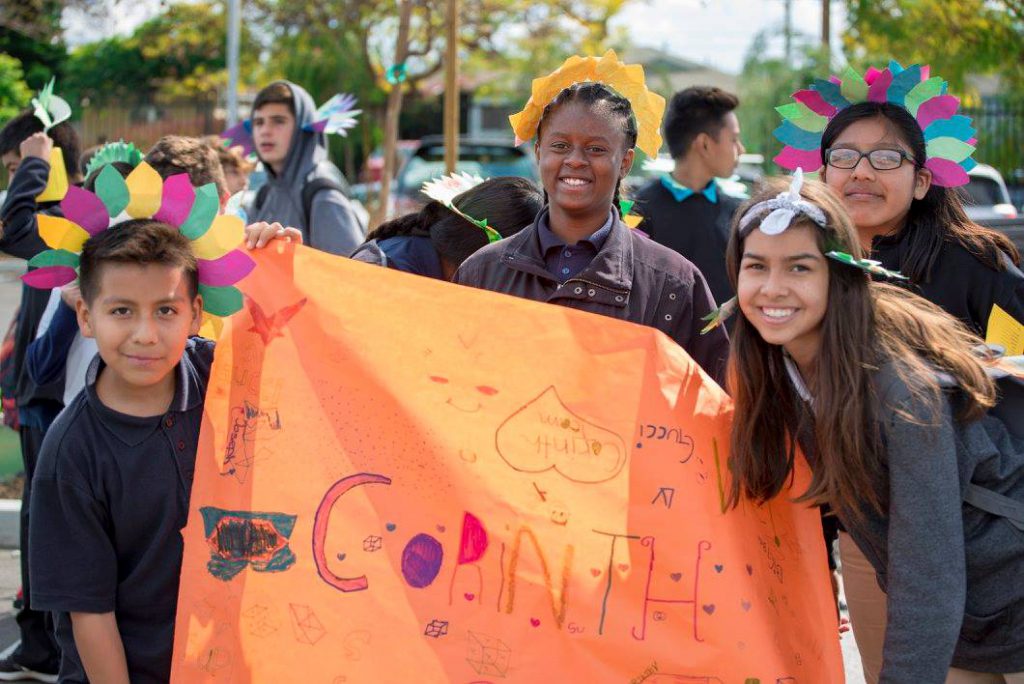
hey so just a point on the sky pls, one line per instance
(714, 32)
(718, 32)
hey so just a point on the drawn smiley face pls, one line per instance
(466, 404)
(559, 514)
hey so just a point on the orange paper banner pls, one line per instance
(403, 480)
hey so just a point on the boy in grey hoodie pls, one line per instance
(304, 189)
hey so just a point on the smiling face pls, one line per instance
(582, 156)
(141, 317)
(877, 201)
(782, 288)
(272, 128)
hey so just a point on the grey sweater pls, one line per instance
(953, 574)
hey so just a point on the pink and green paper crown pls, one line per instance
(144, 194)
(949, 137)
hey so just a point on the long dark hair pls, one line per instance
(865, 325)
(592, 93)
(509, 203)
(938, 217)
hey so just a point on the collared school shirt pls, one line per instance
(566, 261)
(680, 192)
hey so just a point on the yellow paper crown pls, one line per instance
(625, 79)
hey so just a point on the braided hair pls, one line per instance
(593, 93)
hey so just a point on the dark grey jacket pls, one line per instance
(632, 278)
(954, 574)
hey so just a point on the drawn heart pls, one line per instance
(440, 528)
(623, 567)
(745, 605)
(535, 622)
(391, 527)
(709, 608)
(469, 597)
(596, 572)
(750, 569)
(719, 568)
(676, 576)
(341, 556)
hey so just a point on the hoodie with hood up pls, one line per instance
(333, 225)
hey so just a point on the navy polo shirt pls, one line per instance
(566, 261)
(110, 498)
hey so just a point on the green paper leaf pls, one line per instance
(923, 91)
(112, 190)
(204, 210)
(54, 257)
(492, 235)
(625, 206)
(396, 74)
(802, 117)
(853, 87)
(221, 301)
(119, 151)
(949, 148)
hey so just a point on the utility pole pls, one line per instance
(787, 31)
(234, 31)
(826, 25)
(451, 89)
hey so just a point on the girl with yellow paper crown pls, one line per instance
(587, 117)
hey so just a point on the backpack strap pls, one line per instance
(261, 197)
(996, 504)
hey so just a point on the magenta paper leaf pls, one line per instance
(49, 277)
(815, 102)
(878, 91)
(176, 201)
(85, 209)
(946, 173)
(792, 158)
(871, 74)
(941, 107)
(227, 270)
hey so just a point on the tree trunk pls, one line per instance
(393, 110)
(451, 89)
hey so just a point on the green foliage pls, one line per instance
(14, 93)
(767, 82)
(40, 58)
(957, 37)
(178, 54)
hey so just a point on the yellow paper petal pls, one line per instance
(632, 220)
(59, 233)
(57, 181)
(212, 327)
(226, 233)
(146, 189)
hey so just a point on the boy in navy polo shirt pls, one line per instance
(115, 471)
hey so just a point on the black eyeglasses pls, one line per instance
(880, 160)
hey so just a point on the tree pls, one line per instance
(957, 37)
(767, 82)
(14, 93)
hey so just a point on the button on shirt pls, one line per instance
(110, 498)
(566, 261)
(681, 192)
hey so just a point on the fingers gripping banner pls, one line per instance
(402, 480)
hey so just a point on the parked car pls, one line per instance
(484, 157)
(987, 201)
(373, 169)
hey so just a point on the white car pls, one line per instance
(986, 197)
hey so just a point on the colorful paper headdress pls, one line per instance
(949, 137)
(335, 116)
(143, 194)
(625, 79)
(119, 151)
(52, 110)
(446, 188)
